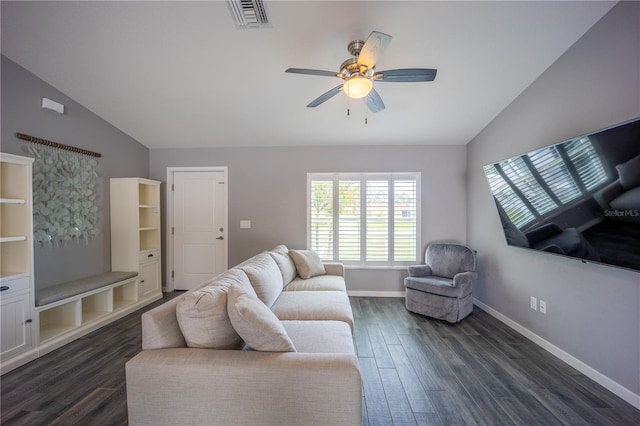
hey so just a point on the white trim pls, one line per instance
(366, 293)
(169, 287)
(585, 369)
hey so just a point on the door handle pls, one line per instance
(220, 238)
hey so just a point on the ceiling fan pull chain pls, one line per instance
(348, 112)
(365, 120)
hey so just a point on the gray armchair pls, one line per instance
(441, 288)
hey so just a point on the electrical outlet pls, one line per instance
(533, 303)
(543, 306)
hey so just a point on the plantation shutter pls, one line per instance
(377, 219)
(587, 162)
(349, 220)
(364, 219)
(321, 218)
(555, 174)
(405, 224)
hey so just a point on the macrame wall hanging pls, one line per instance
(65, 180)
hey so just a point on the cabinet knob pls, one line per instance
(28, 321)
(4, 288)
(141, 281)
(150, 255)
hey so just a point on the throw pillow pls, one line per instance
(256, 324)
(265, 277)
(204, 321)
(629, 173)
(308, 263)
(286, 265)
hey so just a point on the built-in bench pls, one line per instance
(69, 310)
(62, 291)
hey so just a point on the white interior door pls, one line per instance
(198, 227)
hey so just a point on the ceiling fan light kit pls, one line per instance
(357, 87)
(359, 73)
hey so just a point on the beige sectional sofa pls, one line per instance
(257, 345)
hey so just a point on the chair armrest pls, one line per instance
(542, 233)
(243, 387)
(608, 193)
(420, 271)
(464, 277)
(552, 248)
(334, 268)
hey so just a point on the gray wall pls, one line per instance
(593, 311)
(122, 156)
(268, 187)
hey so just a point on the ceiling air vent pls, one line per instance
(249, 13)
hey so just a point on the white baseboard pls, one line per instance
(365, 293)
(585, 369)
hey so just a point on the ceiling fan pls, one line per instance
(359, 73)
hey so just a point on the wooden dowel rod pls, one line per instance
(57, 145)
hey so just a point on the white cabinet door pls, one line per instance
(15, 324)
(149, 278)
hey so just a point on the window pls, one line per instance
(535, 185)
(364, 219)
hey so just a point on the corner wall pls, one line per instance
(269, 187)
(122, 156)
(593, 311)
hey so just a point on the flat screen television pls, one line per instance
(578, 198)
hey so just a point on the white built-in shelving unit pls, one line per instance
(16, 256)
(135, 232)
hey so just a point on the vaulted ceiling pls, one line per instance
(181, 74)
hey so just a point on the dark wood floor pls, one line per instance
(418, 370)
(415, 371)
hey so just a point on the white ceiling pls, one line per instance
(180, 74)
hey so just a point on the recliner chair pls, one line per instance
(441, 288)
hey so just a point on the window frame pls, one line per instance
(335, 178)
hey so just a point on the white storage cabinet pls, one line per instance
(16, 256)
(135, 232)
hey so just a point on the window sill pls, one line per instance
(399, 268)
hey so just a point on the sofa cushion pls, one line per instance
(628, 202)
(308, 263)
(256, 324)
(314, 305)
(629, 173)
(333, 337)
(287, 268)
(203, 319)
(265, 277)
(202, 314)
(438, 285)
(319, 283)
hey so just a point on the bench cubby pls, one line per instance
(73, 315)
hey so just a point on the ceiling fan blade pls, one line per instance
(311, 72)
(374, 101)
(325, 97)
(373, 49)
(406, 75)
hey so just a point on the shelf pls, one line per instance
(118, 305)
(12, 201)
(50, 331)
(148, 206)
(12, 239)
(11, 275)
(149, 228)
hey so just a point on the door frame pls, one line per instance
(169, 286)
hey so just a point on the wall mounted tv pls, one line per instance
(578, 198)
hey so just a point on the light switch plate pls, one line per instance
(245, 224)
